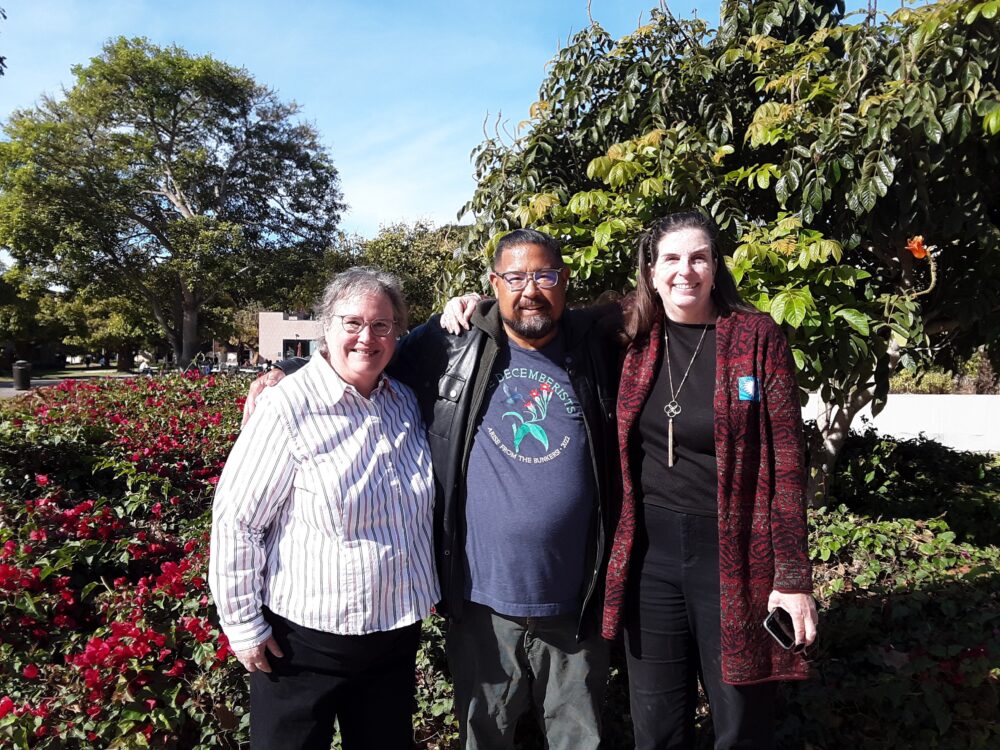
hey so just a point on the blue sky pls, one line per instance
(398, 90)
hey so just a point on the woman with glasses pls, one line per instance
(322, 559)
(712, 532)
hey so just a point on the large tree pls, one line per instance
(169, 177)
(821, 146)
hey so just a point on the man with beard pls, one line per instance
(520, 417)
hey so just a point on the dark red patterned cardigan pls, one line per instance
(761, 490)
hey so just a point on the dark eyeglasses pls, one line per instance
(354, 324)
(545, 278)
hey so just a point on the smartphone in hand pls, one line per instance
(778, 624)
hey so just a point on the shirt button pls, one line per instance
(454, 394)
(447, 552)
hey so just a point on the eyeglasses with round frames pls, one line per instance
(544, 278)
(353, 324)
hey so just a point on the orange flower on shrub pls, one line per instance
(916, 247)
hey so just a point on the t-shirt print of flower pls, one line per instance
(537, 407)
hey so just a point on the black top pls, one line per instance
(689, 486)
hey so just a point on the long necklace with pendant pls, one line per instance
(672, 409)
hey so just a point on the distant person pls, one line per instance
(322, 560)
(712, 534)
(86, 361)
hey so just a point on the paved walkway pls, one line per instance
(7, 384)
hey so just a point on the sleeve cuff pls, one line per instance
(245, 635)
(290, 365)
(793, 578)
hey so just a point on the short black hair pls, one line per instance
(521, 237)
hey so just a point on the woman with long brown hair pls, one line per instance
(712, 532)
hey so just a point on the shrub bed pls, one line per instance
(108, 636)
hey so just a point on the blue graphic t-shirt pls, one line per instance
(530, 489)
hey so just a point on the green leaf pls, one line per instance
(520, 434)
(598, 168)
(779, 304)
(781, 190)
(799, 357)
(855, 319)
(795, 313)
(868, 198)
(991, 123)
(950, 118)
(539, 434)
(933, 129)
(602, 235)
(580, 204)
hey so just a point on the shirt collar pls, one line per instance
(337, 386)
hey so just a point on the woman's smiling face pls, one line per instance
(360, 358)
(683, 275)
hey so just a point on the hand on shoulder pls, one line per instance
(257, 387)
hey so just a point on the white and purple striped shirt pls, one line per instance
(323, 512)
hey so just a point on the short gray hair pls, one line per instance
(357, 281)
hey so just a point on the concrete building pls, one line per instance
(283, 335)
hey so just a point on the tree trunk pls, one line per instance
(833, 426)
(189, 331)
(126, 358)
(190, 343)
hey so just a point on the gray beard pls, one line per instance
(535, 327)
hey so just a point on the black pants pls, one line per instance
(672, 636)
(365, 682)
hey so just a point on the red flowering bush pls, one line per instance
(108, 636)
(107, 632)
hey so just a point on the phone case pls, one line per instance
(778, 624)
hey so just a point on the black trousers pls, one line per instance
(672, 637)
(365, 682)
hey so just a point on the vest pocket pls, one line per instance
(450, 389)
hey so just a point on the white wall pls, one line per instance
(276, 327)
(970, 423)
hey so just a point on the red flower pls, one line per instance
(916, 247)
(30, 672)
(177, 669)
(6, 706)
(41, 480)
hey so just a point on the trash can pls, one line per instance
(22, 375)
